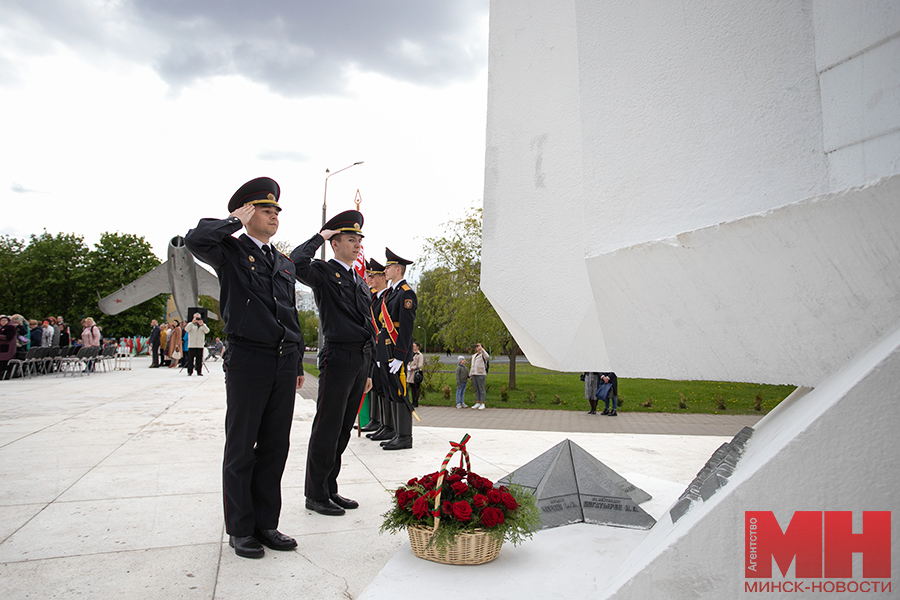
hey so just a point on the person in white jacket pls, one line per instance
(196, 331)
(478, 373)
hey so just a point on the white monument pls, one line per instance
(710, 190)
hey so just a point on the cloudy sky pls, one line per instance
(143, 116)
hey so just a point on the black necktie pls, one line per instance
(267, 251)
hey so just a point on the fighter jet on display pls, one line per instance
(179, 276)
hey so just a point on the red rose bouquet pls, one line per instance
(467, 503)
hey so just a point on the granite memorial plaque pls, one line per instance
(572, 486)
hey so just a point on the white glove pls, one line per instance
(378, 363)
(395, 365)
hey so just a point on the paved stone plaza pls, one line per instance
(110, 488)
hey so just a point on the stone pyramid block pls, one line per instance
(572, 486)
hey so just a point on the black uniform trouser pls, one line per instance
(260, 391)
(343, 370)
(195, 360)
(396, 391)
(154, 352)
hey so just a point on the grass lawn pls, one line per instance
(553, 390)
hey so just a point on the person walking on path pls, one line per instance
(414, 367)
(478, 374)
(462, 381)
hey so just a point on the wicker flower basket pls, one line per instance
(474, 548)
(468, 548)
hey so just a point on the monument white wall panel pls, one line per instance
(846, 28)
(785, 296)
(533, 261)
(694, 114)
(861, 97)
(829, 450)
(867, 161)
(626, 126)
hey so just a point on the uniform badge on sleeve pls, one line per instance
(408, 303)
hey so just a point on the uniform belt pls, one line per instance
(280, 347)
(349, 345)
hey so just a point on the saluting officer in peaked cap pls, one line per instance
(345, 358)
(349, 221)
(263, 364)
(259, 191)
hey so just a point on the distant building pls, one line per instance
(304, 299)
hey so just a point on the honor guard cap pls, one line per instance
(349, 221)
(374, 266)
(393, 259)
(262, 191)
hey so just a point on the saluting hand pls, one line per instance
(327, 234)
(244, 213)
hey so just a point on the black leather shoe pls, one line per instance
(613, 414)
(246, 546)
(344, 502)
(374, 433)
(382, 434)
(371, 426)
(399, 444)
(605, 411)
(272, 538)
(324, 507)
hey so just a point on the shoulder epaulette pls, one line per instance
(405, 287)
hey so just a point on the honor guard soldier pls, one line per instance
(346, 357)
(377, 283)
(398, 315)
(263, 365)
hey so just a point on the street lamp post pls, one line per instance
(325, 198)
(425, 347)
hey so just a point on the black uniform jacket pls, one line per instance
(401, 305)
(342, 297)
(256, 297)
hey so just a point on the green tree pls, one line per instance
(309, 324)
(457, 302)
(54, 278)
(216, 326)
(427, 321)
(11, 275)
(117, 260)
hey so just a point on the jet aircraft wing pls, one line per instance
(207, 283)
(143, 288)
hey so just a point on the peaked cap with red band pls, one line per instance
(262, 191)
(393, 259)
(349, 221)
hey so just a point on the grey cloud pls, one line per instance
(21, 189)
(288, 155)
(296, 48)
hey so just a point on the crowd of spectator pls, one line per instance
(18, 335)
